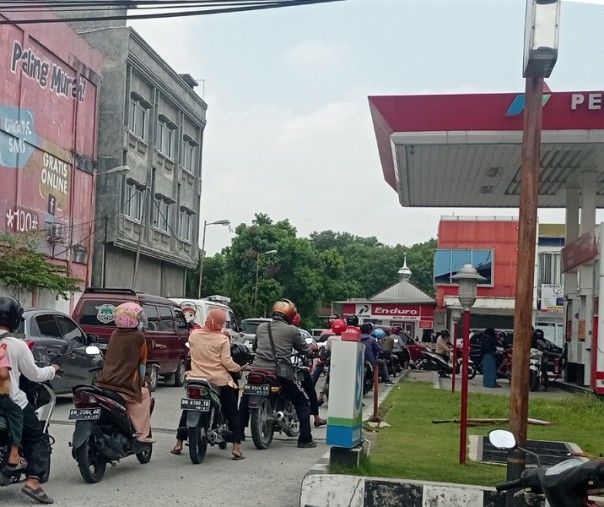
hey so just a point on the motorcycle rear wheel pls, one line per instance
(262, 425)
(198, 445)
(91, 464)
(534, 380)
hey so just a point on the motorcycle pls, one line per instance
(435, 362)
(270, 408)
(567, 484)
(205, 420)
(103, 431)
(43, 399)
(538, 374)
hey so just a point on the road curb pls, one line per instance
(332, 490)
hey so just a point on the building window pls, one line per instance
(161, 214)
(186, 225)
(448, 262)
(137, 122)
(133, 202)
(550, 270)
(188, 155)
(165, 139)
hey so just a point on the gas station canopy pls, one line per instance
(465, 150)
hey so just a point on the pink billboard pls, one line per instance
(48, 119)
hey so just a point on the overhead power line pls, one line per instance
(208, 7)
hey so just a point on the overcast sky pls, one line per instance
(289, 131)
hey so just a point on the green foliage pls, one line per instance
(313, 272)
(24, 267)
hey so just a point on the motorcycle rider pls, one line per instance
(538, 342)
(443, 344)
(309, 388)
(36, 444)
(399, 348)
(372, 349)
(338, 326)
(124, 367)
(211, 359)
(285, 337)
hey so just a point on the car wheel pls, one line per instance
(179, 375)
(153, 378)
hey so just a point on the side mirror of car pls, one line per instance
(66, 350)
(92, 338)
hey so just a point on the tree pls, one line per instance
(24, 267)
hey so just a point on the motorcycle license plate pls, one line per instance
(84, 414)
(189, 404)
(258, 390)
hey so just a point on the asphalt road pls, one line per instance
(268, 477)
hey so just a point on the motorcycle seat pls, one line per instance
(203, 382)
(268, 373)
(112, 395)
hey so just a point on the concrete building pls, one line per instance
(152, 121)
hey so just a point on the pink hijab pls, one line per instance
(215, 320)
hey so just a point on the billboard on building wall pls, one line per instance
(48, 116)
(552, 298)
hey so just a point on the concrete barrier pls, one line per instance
(332, 490)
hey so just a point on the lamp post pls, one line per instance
(202, 252)
(540, 55)
(467, 277)
(269, 252)
(455, 316)
(113, 170)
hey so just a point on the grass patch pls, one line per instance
(415, 448)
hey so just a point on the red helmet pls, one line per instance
(338, 326)
(296, 320)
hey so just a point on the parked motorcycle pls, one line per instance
(435, 362)
(538, 375)
(567, 484)
(103, 431)
(43, 399)
(270, 408)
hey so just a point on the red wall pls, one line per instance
(49, 89)
(501, 236)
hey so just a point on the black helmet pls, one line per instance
(352, 320)
(240, 354)
(538, 334)
(11, 312)
(445, 333)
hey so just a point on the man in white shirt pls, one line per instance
(36, 445)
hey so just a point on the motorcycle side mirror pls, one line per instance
(502, 439)
(92, 338)
(92, 350)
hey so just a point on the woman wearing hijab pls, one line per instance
(124, 367)
(211, 359)
(489, 358)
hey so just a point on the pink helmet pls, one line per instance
(129, 316)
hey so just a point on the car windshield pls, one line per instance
(249, 327)
(98, 313)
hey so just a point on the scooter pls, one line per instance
(205, 421)
(43, 399)
(538, 371)
(567, 484)
(435, 362)
(103, 431)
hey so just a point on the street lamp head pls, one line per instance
(118, 169)
(467, 277)
(541, 37)
(270, 252)
(456, 312)
(220, 222)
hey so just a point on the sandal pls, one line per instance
(237, 456)
(37, 494)
(176, 450)
(22, 465)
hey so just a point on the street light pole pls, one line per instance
(270, 252)
(467, 277)
(455, 316)
(202, 253)
(540, 55)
